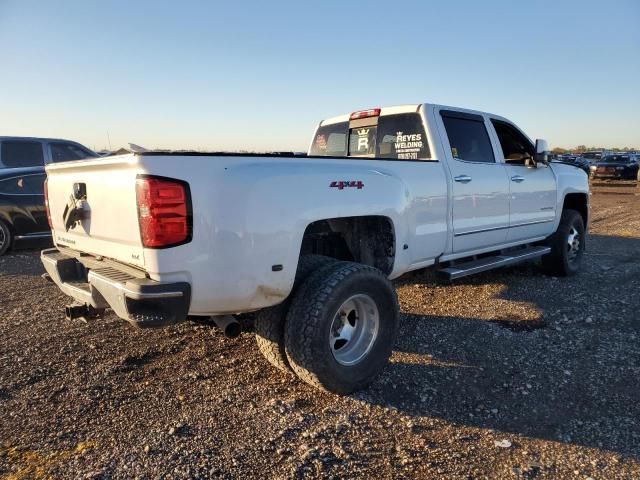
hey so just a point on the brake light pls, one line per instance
(164, 211)
(46, 202)
(372, 112)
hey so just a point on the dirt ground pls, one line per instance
(510, 374)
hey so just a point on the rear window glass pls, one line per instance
(402, 137)
(362, 141)
(21, 154)
(331, 140)
(395, 137)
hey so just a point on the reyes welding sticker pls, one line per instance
(408, 145)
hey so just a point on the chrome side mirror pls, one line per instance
(542, 151)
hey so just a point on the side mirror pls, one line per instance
(542, 151)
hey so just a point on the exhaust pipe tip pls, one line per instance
(230, 327)
(233, 330)
(73, 311)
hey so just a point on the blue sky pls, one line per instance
(260, 75)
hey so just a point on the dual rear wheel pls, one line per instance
(337, 329)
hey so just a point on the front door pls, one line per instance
(532, 187)
(480, 185)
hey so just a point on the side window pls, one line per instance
(468, 137)
(61, 152)
(23, 185)
(17, 153)
(402, 137)
(516, 148)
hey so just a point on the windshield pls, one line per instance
(616, 159)
(592, 155)
(391, 137)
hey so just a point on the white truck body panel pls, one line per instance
(251, 212)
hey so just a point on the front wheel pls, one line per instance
(5, 238)
(341, 327)
(567, 246)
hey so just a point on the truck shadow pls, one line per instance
(568, 370)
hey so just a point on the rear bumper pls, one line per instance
(139, 300)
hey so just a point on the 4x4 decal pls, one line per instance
(340, 185)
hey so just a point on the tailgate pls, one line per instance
(109, 226)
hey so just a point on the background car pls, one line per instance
(23, 217)
(616, 166)
(575, 160)
(16, 152)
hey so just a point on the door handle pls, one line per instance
(462, 178)
(517, 179)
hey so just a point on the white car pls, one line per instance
(311, 243)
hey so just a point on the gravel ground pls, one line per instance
(510, 374)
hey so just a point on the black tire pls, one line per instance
(564, 261)
(269, 322)
(311, 316)
(5, 238)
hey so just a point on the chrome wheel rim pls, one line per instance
(3, 238)
(573, 244)
(354, 329)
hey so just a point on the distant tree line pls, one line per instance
(584, 148)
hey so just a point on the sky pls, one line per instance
(240, 75)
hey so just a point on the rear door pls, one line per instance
(480, 189)
(22, 198)
(532, 188)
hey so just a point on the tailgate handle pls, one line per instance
(74, 212)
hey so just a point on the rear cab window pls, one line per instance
(468, 137)
(387, 137)
(18, 153)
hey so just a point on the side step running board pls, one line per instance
(489, 263)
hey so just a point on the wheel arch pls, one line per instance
(368, 239)
(578, 202)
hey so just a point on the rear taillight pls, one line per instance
(164, 211)
(46, 202)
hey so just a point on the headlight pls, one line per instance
(592, 168)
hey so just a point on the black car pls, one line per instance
(616, 166)
(23, 217)
(575, 160)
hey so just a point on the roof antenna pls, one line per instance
(109, 139)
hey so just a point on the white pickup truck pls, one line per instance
(310, 243)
